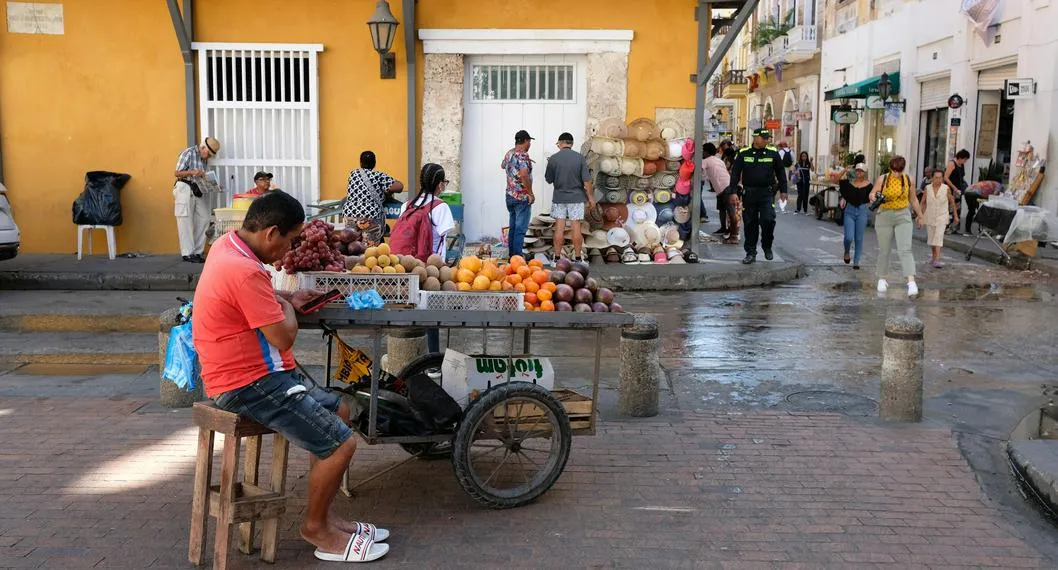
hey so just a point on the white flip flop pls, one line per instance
(372, 532)
(359, 549)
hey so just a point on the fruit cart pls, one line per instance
(515, 437)
(825, 199)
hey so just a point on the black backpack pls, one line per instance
(432, 406)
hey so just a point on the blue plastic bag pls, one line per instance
(362, 300)
(181, 360)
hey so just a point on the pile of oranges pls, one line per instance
(475, 274)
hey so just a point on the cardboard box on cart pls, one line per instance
(463, 374)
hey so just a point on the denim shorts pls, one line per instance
(294, 406)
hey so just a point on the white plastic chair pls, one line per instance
(112, 244)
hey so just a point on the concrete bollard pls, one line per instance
(171, 395)
(902, 351)
(403, 345)
(640, 370)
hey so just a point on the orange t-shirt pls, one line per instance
(233, 300)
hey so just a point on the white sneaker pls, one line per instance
(912, 289)
(883, 285)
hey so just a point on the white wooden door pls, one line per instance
(544, 95)
(261, 101)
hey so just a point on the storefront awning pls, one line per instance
(864, 89)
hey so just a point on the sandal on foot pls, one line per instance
(359, 549)
(372, 532)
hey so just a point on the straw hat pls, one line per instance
(612, 127)
(631, 166)
(687, 152)
(616, 196)
(646, 233)
(610, 165)
(629, 256)
(639, 197)
(639, 213)
(686, 170)
(540, 247)
(613, 255)
(596, 239)
(614, 215)
(607, 146)
(683, 187)
(618, 237)
(675, 255)
(655, 149)
(662, 196)
(594, 216)
(681, 214)
(650, 168)
(610, 182)
(664, 180)
(634, 148)
(670, 236)
(643, 129)
(673, 165)
(671, 129)
(674, 149)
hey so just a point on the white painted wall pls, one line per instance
(914, 32)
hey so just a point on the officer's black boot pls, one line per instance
(768, 255)
(750, 258)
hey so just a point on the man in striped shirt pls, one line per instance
(192, 209)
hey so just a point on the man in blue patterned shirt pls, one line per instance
(192, 209)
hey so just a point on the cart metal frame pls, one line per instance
(332, 320)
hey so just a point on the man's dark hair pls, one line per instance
(275, 208)
(709, 149)
(367, 160)
(963, 154)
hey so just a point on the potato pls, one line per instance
(431, 284)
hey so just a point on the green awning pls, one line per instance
(864, 89)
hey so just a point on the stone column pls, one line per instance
(640, 369)
(442, 114)
(171, 395)
(902, 350)
(403, 345)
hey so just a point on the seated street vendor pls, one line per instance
(262, 182)
(244, 334)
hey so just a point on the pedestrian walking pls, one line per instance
(727, 202)
(244, 333)
(365, 193)
(938, 201)
(893, 221)
(519, 168)
(759, 170)
(854, 200)
(568, 172)
(803, 175)
(955, 178)
(192, 209)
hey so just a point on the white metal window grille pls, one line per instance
(261, 101)
(523, 83)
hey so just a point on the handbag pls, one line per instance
(193, 185)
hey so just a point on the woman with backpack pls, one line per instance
(897, 192)
(423, 224)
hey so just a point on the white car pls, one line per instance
(10, 238)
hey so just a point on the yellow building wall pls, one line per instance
(109, 92)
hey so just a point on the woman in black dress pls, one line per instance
(804, 176)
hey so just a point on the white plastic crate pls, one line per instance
(395, 288)
(281, 281)
(471, 301)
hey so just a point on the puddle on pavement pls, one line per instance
(80, 369)
(972, 292)
(832, 401)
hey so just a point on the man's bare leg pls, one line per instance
(325, 476)
(335, 520)
(578, 240)
(560, 237)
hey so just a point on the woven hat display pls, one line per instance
(643, 129)
(686, 170)
(680, 199)
(664, 180)
(683, 187)
(614, 215)
(650, 168)
(634, 148)
(639, 198)
(610, 182)
(682, 214)
(687, 152)
(610, 165)
(595, 256)
(655, 149)
(670, 236)
(616, 196)
(594, 216)
(612, 127)
(674, 148)
(671, 129)
(596, 239)
(673, 165)
(539, 223)
(640, 213)
(618, 237)
(646, 233)
(607, 146)
(631, 166)
(613, 255)
(639, 182)
(662, 196)
(629, 256)
(675, 255)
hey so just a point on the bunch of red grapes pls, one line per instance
(315, 250)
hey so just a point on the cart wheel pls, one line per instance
(512, 445)
(428, 451)
(424, 363)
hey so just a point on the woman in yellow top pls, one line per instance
(893, 219)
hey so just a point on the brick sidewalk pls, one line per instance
(89, 483)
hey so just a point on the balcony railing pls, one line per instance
(799, 44)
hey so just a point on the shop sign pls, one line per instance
(1019, 88)
(875, 102)
(803, 116)
(955, 101)
(788, 117)
(772, 124)
(844, 116)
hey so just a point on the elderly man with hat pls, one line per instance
(192, 209)
(759, 170)
(568, 172)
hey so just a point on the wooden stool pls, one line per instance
(234, 502)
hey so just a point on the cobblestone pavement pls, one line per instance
(106, 483)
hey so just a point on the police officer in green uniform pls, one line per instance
(759, 169)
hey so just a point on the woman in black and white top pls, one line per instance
(803, 171)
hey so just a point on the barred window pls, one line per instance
(522, 82)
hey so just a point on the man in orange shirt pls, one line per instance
(244, 333)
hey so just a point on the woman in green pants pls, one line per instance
(893, 220)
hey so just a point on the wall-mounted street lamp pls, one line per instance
(383, 26)
(885, 90)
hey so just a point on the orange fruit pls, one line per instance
(519, 287)
(536, 263)
(531, 298)
(464, 276)
(517, 260)
(481, 283)
(547, 306)
(525, 271)
(540, 276)
(514, 279)
(505, 269)
(470, 262)
(549, 286)
(489, 269)
(543, 295)
(463, 286)
(507, 286)
(528, 307)
(496, 286)
(531, 286)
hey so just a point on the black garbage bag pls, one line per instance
(100, 202)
